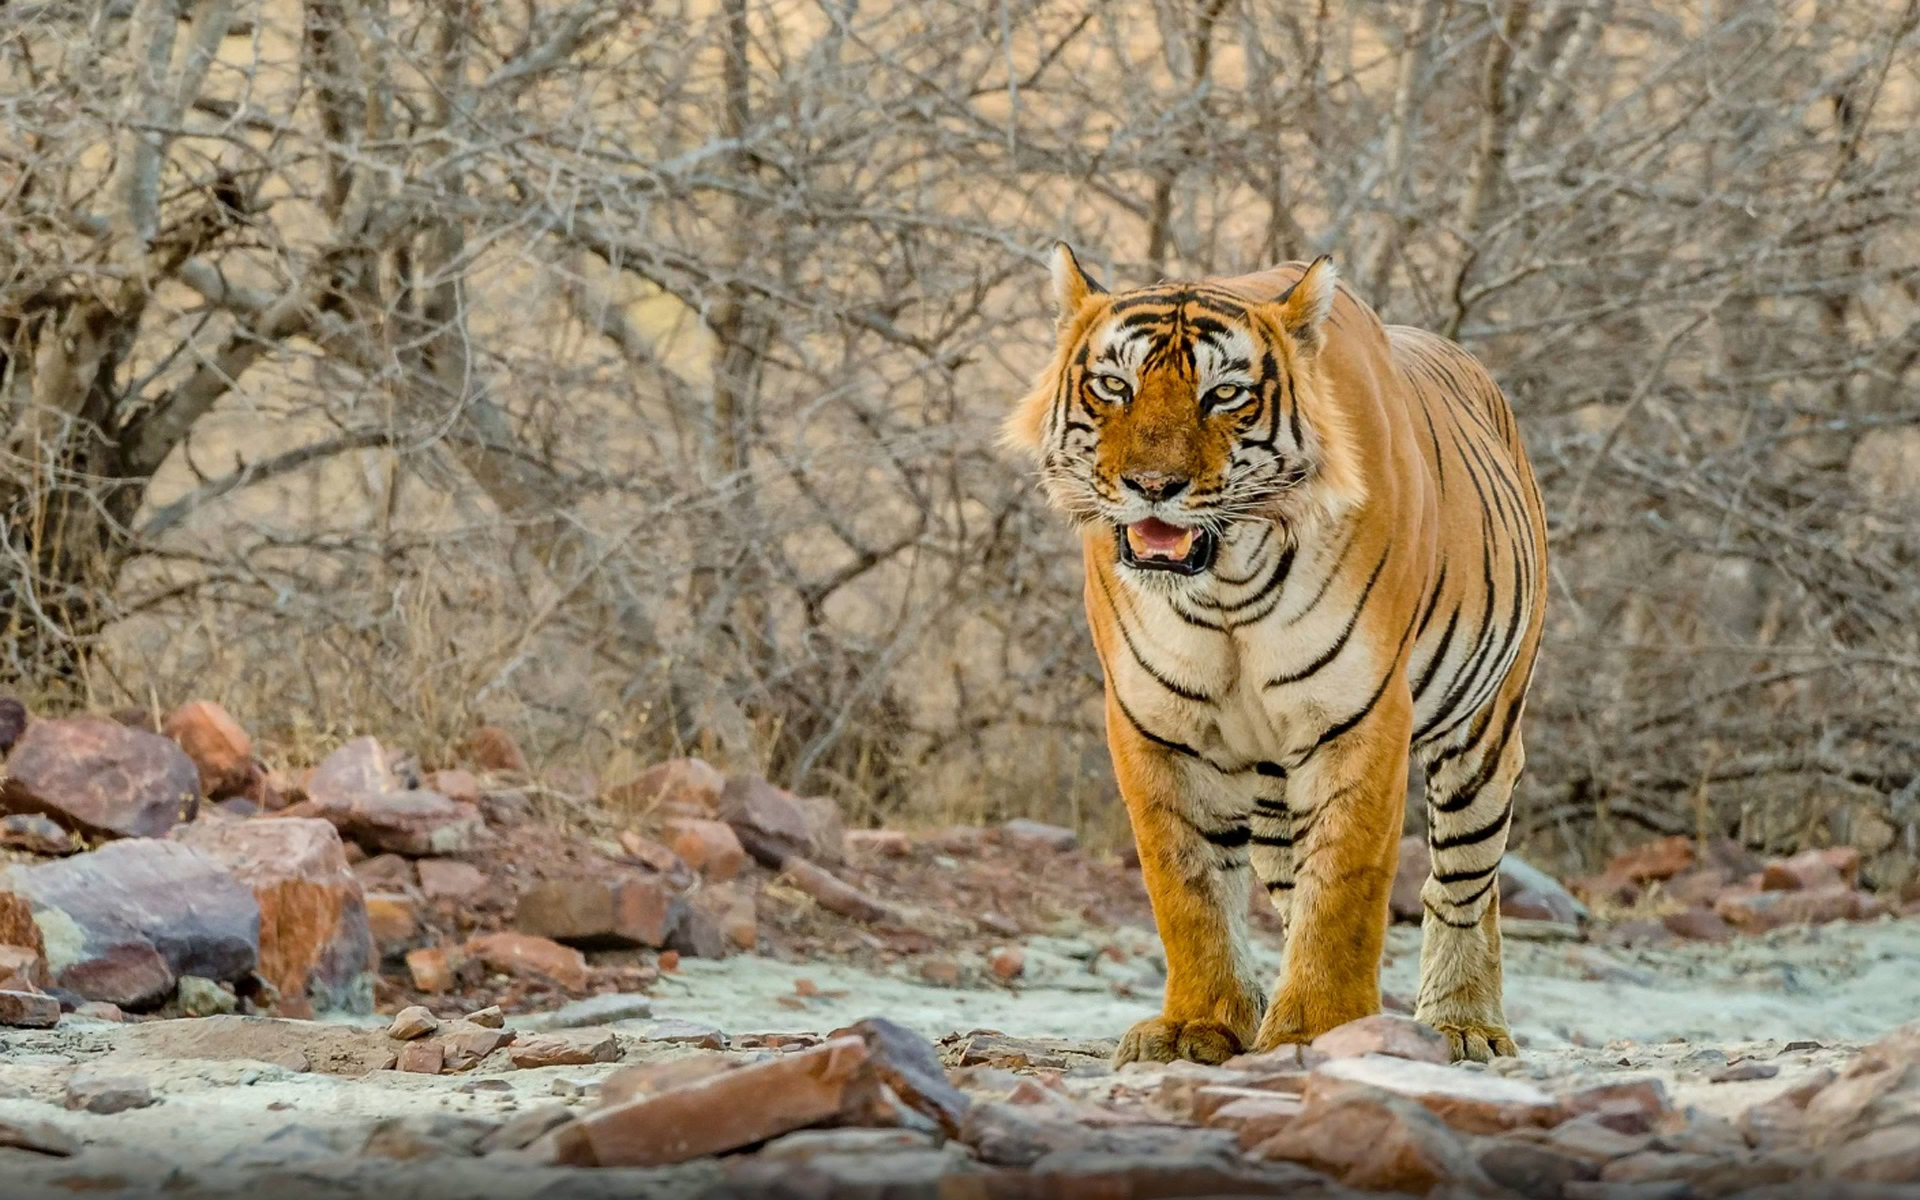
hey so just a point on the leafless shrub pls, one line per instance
(629, 371)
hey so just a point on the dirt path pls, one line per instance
(251, 1127)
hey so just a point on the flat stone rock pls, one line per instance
(122, 923)
(769, 821)
(565, 1049)
(315, 935)
(625, 908)
(324, 1048)
(1377, 1142)
(525, 955)
(910, 1065)
(102, 1091)
(29, 1010)
(1385, 1033)
(1038, 835)
(594, 1010)
(40, 1137)
(1467, 1101)
(100, 778)
(219, 746)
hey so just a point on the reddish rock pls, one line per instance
(880, 843)
(24, 965)
(681, 787)
(1008, 962)
(99, 1010)
(391, 921)
(940, 971)
(1377, 1142)
(826, 828)
(220, 749)
(414, 823)
(1037, 835)
(361, 767)
(467, 1045)
(721, 1112)
(422, 1058)
(490, 1017)
(1385, 1033)
(565, 1050)
(1698, 924)
(98, 1089)
(770, 822)
(413, 1021)
(460, 786)
(655, 857)
(431, 968)
(1757, 911)
(719, 920)
(620, 908)
(1812, 869)
(122, 923)
(386, 873)
(36, 833)
(524, 955)
(492, 748)
(1469, 1103)
(1257, 1118)
(100, 778)
(833, 893)
(645, 1080)
(1409, 877)
(1526, 905)
(911, 1069)
(450, 881)
(709, 847)
(28, 1010)
(1662, 858)
(1697, 888)
(1629, 1106)
(315, 936)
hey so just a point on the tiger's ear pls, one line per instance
(1303, 308)
(1071, 285)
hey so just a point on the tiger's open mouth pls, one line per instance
(1156, 545)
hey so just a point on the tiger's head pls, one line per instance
(1175, 412)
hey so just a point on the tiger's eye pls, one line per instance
(1111, 386)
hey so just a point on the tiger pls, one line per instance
(1314, 553)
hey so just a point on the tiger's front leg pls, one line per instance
(1199, 888)
(1349, 800)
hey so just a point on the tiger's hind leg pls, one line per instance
(1469, 807)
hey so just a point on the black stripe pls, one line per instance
(1342, 727)
(1271, 770)
(1332, 652)
(1156, 739)
(1126, 637)
(1231, 838)
(1273, 839)
(1463, 876)
(1474, 837)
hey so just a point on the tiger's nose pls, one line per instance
(1155, 485)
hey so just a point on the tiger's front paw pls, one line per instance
(1161, 1039)
(1477, 1042)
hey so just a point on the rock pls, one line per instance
(909, 1065)
(450, 881)
(1555, 907)
(940, 970)
(644, 1080)
(39, 1137)
(391, 922)
(879, 843)
(36, 833)
(806, 1144)
(386, 873)
(220, 749)
(413, 1021)
(594, 1010)
(1662, 858)
(527, 956)
(122, 923)
(717, 921)
(327, 1048)
(1531, 1169)
(466, 1045)
(523, 1129)
(1758, 911)
(769, 822)
(1257, 1118)
(489, 1017)
(13, 723)
(565, 1050)
(833, 893)
(424, 1136)
(723, 1111)
(1630, 1106)
(1377, 1142)
(103, 1092)
(1036, 835)
(1416, 861)
(197, 997)
(1008, 962)
(655, 857)
(1698, 923)
(709, 847)
(826, 828)
(99, 1010)
(1194, 1169)
(422, 1058)
(1742, 1072)
(1887, 1155)
(620, 908)
(29, 1010)
(457, 785)
(315, 932)
(360, 767)
(100, 778)
(431, 968)
(1388, 1034)
(1468, 1102)
(492, 748)
(25, 965)
(1784, 1117)
(1812, 869)
(414, 823)
(681, 786)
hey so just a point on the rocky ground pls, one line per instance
(717, 991)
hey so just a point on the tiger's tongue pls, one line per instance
(1154, 538)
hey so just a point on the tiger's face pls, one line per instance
(1174, 412)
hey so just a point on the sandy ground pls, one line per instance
(240, 1127)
